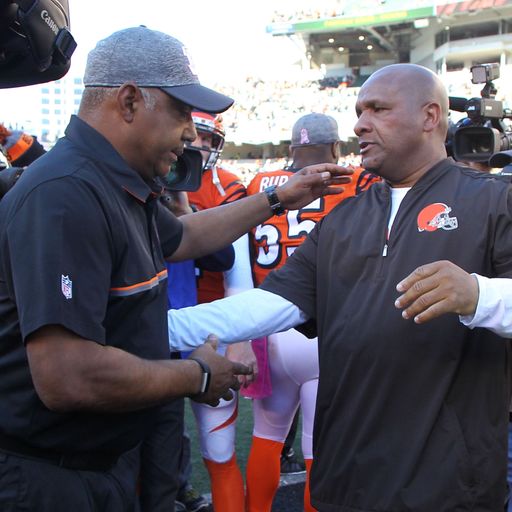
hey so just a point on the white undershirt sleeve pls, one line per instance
(239, 277)
(494, 307)
(244, 316)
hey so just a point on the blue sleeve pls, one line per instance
(219, 261)
(181, 287)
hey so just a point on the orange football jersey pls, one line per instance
(210, 285)
(276, 239)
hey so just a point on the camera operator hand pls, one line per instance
(223, 373)
(435, 289)
(312, 182)
(177, 202)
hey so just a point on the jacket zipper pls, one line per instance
(386, 237)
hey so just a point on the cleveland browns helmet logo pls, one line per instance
(436, 216)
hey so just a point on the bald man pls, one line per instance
(412, 404)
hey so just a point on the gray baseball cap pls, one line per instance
(314, 129)
(150, 59)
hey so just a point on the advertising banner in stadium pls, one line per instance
(330, 24)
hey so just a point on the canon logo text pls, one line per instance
(48, 20)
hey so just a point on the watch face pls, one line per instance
(204, 382)
(273, 200)
(205, 377)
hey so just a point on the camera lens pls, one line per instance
(176, 174)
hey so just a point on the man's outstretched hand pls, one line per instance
(435, 289)
(224, 373)
(312, 182)
(242, 352)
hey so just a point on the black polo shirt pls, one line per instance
(80, 247)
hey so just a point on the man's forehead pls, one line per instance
(371, 94)
(379, 88)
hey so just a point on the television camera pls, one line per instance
(185, 174)
(483, 132)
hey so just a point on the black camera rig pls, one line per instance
(483, 132)
(186, 173)
(35, 42)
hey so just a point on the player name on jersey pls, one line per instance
(276, 239)
(268, 181)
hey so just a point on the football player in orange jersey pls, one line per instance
(293, 366)
(216, 425)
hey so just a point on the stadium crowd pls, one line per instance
(335, 8)
(264, 110)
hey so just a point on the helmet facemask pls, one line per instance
(207, 123)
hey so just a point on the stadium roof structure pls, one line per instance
(388, 27)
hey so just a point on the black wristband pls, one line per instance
(205, 379)
(273, 200)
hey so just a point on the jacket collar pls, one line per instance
(434, 173)
(98, 148)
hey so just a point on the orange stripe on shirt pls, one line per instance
(135, 288)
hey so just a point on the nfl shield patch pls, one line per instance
(66, 285)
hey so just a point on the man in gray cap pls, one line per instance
(315, 130)
(85, 359)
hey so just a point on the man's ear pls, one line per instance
(129, 98)
(336, 150)
(433, 113)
